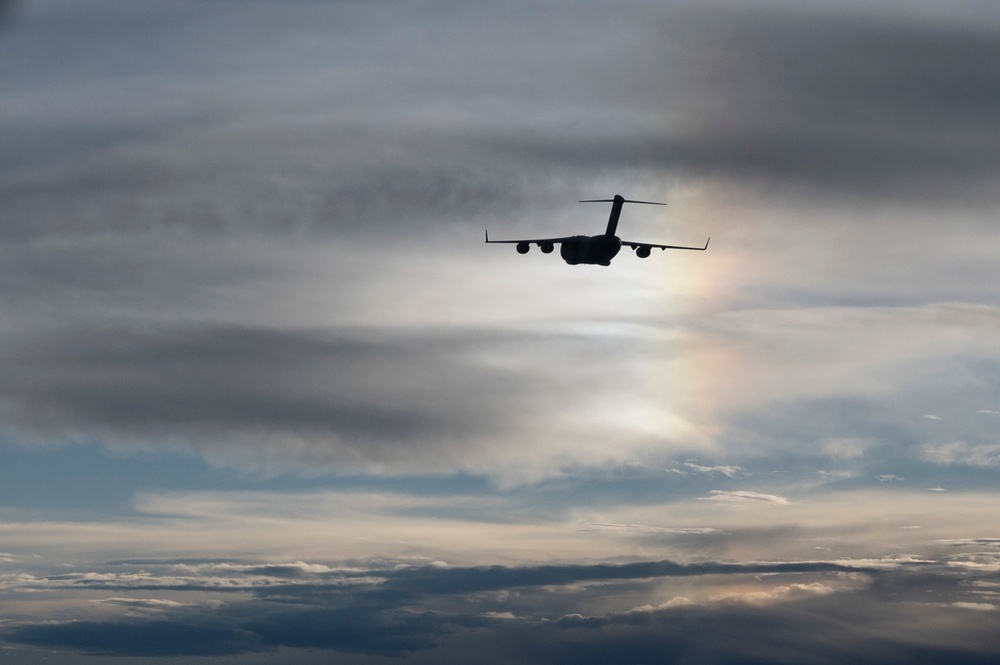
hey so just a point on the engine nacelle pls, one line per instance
(523, 247)
(546, 247)
(642, 251)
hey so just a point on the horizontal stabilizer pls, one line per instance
(616, 209)
(649, 203)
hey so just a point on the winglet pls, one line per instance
(487, 235)
(708, 241)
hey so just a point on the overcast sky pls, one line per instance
(266, 396)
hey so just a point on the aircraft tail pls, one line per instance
(616, 210)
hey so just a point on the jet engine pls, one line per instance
(546, 247)
(642, 251)
(523, 247)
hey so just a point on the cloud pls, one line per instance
(445, 637)
(846, 448)
(962, 453)
(154, 607)
(676, 601)
(189, 636)
(979, 607)
(887, 562)
(364, 129)
(249, 396)
(146, 603)
(386, 615)
(864, 124)
(743, 496)
(429, 613)
(728, 471)
(974, 541)
(324, 195)
(780, 593)
(645, 529)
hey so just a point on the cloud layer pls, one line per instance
(521, 613)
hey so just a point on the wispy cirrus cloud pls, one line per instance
(742, 496)
(730, 471)
(646, 529)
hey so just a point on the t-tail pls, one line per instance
(616, 210)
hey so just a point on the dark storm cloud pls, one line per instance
(867, 625)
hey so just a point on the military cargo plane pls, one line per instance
(595, 250)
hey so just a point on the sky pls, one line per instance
(267, 397)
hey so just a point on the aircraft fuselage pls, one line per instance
(596, 250)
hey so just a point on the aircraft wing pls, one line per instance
(650, 245)
(537, 241)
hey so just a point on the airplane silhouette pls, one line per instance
(595, 250)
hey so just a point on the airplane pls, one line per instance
(594, 250)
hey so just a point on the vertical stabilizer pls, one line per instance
(616, 211)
